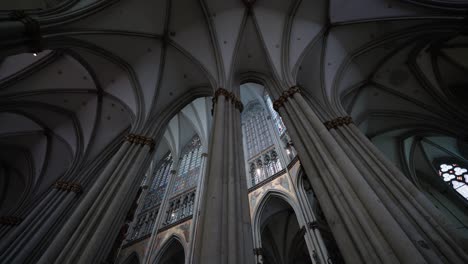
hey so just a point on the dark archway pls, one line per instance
(282, 238)
(173, 253)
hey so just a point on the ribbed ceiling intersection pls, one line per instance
(109, 67)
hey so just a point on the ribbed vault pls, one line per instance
(107, 67)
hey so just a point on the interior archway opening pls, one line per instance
(173, 254)
(282, 237)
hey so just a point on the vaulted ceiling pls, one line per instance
(109, 67)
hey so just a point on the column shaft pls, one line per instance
(376, 217)
(224, 233)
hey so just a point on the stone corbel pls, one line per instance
(278, 103)
(32, 30)
(337, 122)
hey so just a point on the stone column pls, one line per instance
(224, 232)
(196, 207)
(433, 231)
(38, 226)
(88, 234)
(368, 223)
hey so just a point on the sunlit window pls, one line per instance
(262, 156)
(156, 191)
(189, 166)
(456, 176)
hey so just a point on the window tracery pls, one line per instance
(189, 166)
(262, 155)
(160, 180)
(456, 176)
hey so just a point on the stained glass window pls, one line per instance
(189, 166)
(255, 129)
(456, 176)
(262, 156)
(161, 175)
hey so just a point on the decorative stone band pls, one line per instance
(10, 220)
(337, 122)
(229, 96)
(32, 29)
(278, 103)
(68, 186)
(140, 140)
(258, 251)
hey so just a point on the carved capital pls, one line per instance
(68, 186)
(278, 103)
(229, 96)
(337, 122)
(140, 140)
(204, 154)
(10, 220)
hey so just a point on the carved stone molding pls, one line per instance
(140, 140)
(32, 30)
(278, 103)
(337, 122)
(230, 96)
(10, 220)
(68, 186)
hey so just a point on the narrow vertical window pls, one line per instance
(189, 166)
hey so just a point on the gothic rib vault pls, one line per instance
(76, 77)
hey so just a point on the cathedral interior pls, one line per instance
(233, 131)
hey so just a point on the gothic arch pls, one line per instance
(297, 237)
(257, 212)
(174, 243)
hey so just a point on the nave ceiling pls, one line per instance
(109, 67)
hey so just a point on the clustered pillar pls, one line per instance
(19, 244)
(375, 213)
(86, 237)
(224, 231)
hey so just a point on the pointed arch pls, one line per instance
(283, 215)
(257, 212)
(172, 246)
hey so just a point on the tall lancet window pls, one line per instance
(160, 180)
(456, 176)
(182, 198)
(189, 166)
(262, 154)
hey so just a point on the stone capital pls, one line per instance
(278, 103)
(229, 96)
(337, 122)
